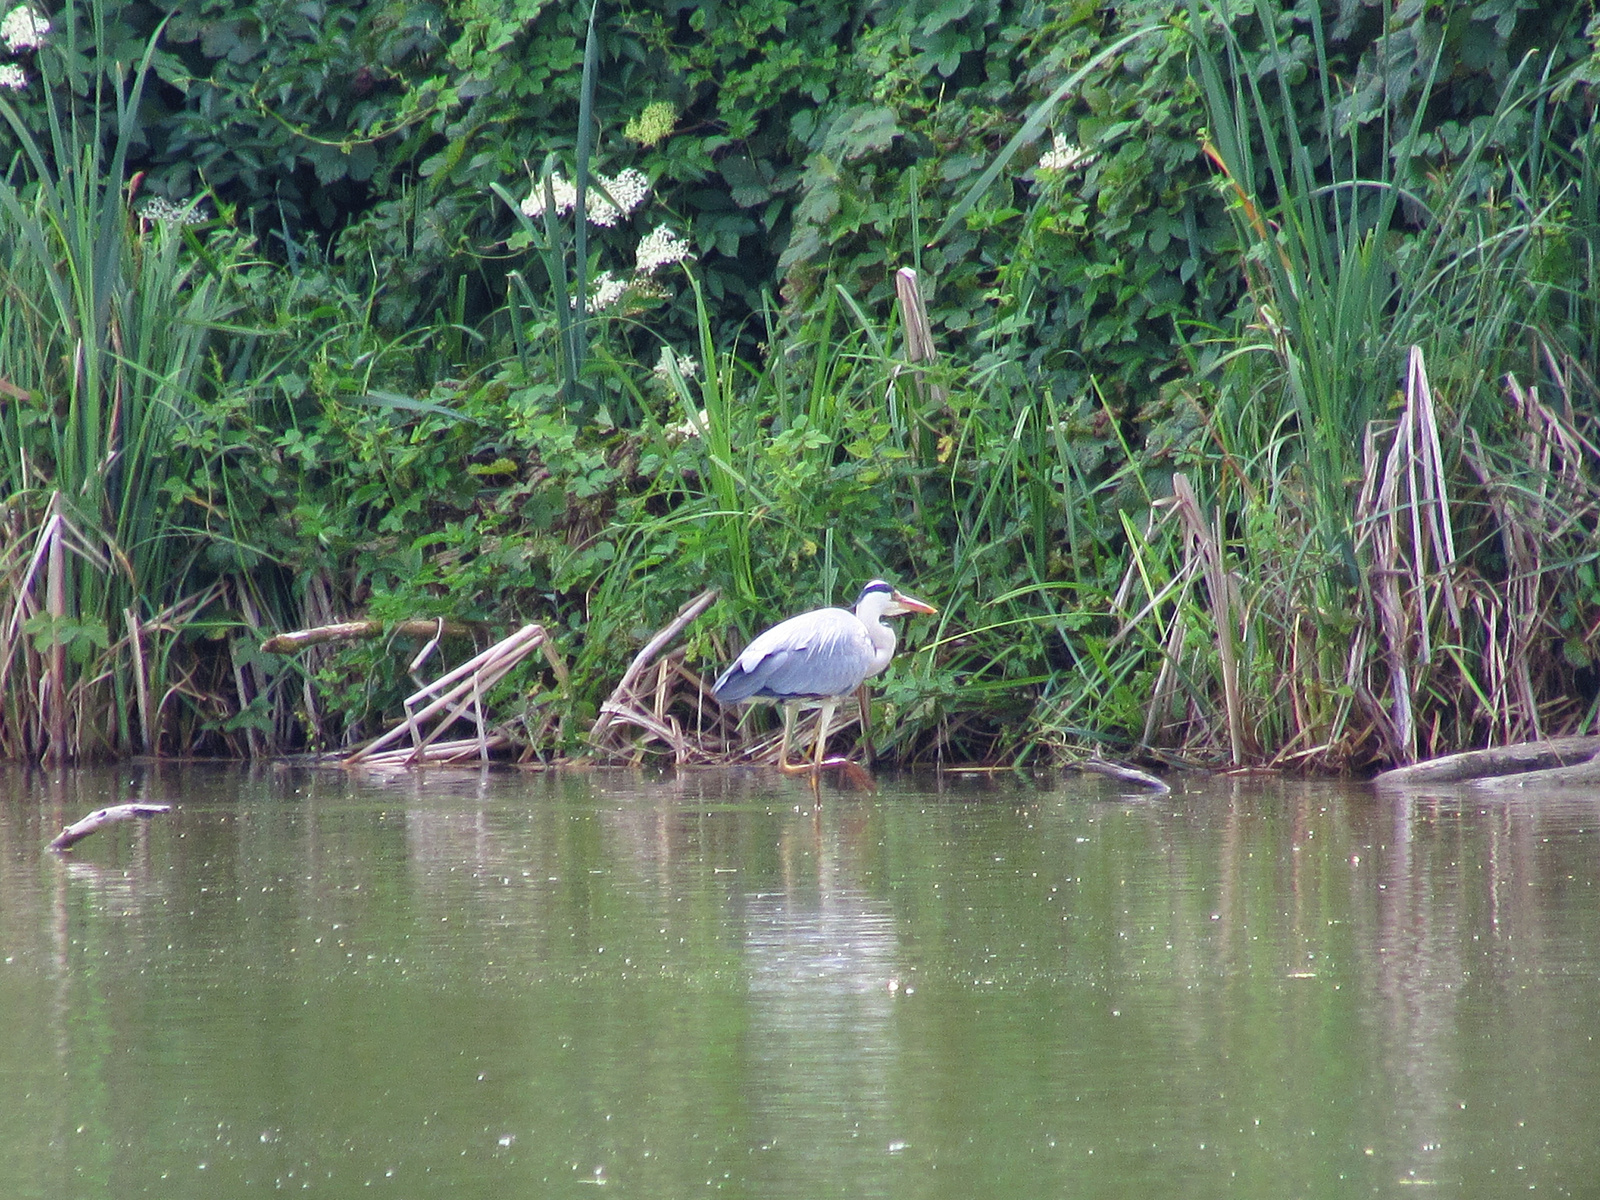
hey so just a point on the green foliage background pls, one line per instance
(386, 432)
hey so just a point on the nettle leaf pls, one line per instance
(218, 38)
(747, 181)
(946, 14)
(329, 162)
(873, 130)
(80, 638)
(944, 50)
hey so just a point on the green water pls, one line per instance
(499, 985)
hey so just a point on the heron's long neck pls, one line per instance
(883, 641)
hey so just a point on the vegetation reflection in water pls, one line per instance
(507, 984)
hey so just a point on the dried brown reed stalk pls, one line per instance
(920, 347)
(343, 631)
(55, 710)
(141, 679)
(1404, 537)
(155, 637)
(1204, 544)
(319, 605)
(455, 695)
(39, 711)
(1538, 515)
(920, 352)
(658, 701)
(439, 754)
(661, 704)
(1164, 691)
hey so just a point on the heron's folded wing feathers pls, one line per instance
(823, 653)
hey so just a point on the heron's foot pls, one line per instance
(806, 768)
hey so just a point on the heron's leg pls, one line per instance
(822, 733)
(789, 711)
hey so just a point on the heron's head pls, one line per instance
(879, 599)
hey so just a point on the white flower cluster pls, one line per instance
(563, 193)
(688, 367)
(159, 208)
(23, 29)
(613, 198)
(694, 427)
(605, 290)
(1063, 156)
(661, 247)
(629, 188)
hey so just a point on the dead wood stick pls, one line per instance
(344, 631)
(102, 817)
(646, 656)
(1127, 774)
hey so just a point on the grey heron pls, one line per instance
(817, 659)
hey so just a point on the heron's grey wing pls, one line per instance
(822, 653)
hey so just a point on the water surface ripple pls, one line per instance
(493, 984)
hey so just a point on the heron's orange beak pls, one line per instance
(910, 604)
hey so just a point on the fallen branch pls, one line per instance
(345, 631)
(101, 817)
(1126, 774)
(1523, 763)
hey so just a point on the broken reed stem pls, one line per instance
(620, 703)
(1537, 508)
(921, 350)
(1409, 487)
(482, 671)
(141, 680)
(55, 591)
(1166, 684)
(439, 753)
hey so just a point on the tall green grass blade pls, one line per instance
(580, 270)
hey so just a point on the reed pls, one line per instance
(1355, 609)
(104, 349)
